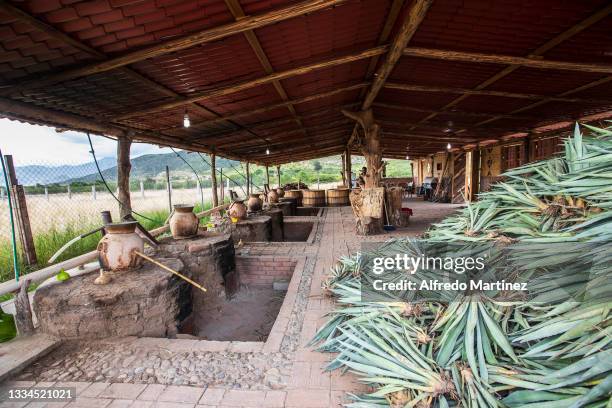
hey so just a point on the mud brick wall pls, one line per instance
(261, 270)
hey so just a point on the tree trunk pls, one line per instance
(368, 204)
(123, 176)
(23, 312)
(349, 170)
(213, 178)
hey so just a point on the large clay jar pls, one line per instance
(272, 196)
(237, 209)
(183, 223)
(116, 249)
(280, 192)
(254, 204)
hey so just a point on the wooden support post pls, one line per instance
(267, 175)
(169, 189)
(213, 179)
(343, 173)
(123, 176)
(248, 179)
(221, 190)
(278, 175)
(368, 204)
(21, 214)
(349, 170)
(23, 312)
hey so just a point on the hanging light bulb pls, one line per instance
(267, 151)
(407, 157)
(448, 146)
(186, 121)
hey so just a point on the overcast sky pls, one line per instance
(31, 144)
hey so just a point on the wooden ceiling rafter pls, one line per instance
(177, 44)
(414, 16)
(251, 83)
(547, 46)
(27, 18)
(484, 92)
(238, 13)
(269, 108)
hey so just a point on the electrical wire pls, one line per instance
(196, 174)
(93, 153)
(10, 205)
(217, 170)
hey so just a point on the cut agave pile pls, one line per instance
(475, 351)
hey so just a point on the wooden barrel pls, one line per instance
(338, 197)
(313, 198)
(297, 194)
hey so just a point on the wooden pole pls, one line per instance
(268, 176)
(278, 175)
(123, 176)
(23, 312)
(343, 173)
(349, 170)
(213, 179)
(221, 190)
(21, 214)
(169, 189)
(248, 179)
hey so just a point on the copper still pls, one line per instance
(183, 222)
(117, 248)
(280, 192)
(272, 196)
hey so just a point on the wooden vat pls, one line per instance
(338, 197)
(297, 194)
(313, 198)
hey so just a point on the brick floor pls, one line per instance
(310, 386)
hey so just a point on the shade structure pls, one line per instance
(273, 76)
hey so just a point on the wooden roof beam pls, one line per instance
(547, 46)
(467, 91)
(269, 108)
(411, 23)
(238, 13)
(177, 44)
(287, 139)
(479, 58)
(241, 86)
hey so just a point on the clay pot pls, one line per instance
(280, 192)
(116, 249)
(254, 204)
(183, 222)
(272, 196)
(237, 209)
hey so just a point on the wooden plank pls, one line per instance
(248, 84)
(413, 19)
(21, 213)
(177, 44)
(480, 58)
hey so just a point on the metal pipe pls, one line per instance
(10, 205)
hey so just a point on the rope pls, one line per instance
(93, 153)
(10, 205)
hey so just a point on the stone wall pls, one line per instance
(140, 302)
(210, 261)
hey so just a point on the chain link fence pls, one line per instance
(65, 201)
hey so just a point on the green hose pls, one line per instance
(14, 243)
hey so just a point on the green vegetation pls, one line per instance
(547, 225)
